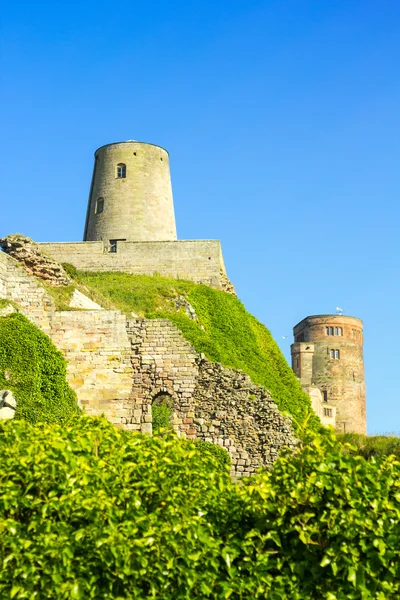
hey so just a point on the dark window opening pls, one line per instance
(114, 245)
(134, 154)
(325, 394)
(99, 206)
(121, 171)
(327, 412)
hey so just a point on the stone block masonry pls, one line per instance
(211, 403)
(196, 260)
(119, 367)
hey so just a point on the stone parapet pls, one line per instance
(195, 260)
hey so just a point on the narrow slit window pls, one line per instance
(326, 330)
(99, 206)
(121, 171)
(325, 393)
(337, 354)
(331, 331)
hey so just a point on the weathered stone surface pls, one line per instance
(7, 399)
(8, 404)
(35, 263)
(119, 367)
(339, 377)
(81, 301)
(7, 310)
(6, 413)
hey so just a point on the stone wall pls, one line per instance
(136, 207)
(339, 377)
(210, 402)
(119, 368)
(95, 344)
(200, 261)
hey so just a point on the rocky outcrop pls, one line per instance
(34, 262)
(8, 404)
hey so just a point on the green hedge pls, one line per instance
(221, 455)
(223, 330)
(370, 445)
(34, 370)
(89, 511)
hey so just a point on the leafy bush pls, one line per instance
(90, 511)
(368, 446)
(223, 330)
(35, 371)
(219, 453)
(162, 414)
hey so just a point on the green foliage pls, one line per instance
(219, 453)
(162, 414)
(61, 295)
(368, 446)
(88, 511)
(224, 331)
(32, 367)
(70, 270)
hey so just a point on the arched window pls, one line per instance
(99, 205)
(121, 171)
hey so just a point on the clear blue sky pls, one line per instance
(282, 121)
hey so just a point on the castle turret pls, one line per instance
(328, 353)
(130, 196)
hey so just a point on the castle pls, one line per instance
(120, 366)
(130, 222)
(327, 357)
(130, 226)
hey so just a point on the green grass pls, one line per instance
(61, 295)
(224, 331)
(374, 445)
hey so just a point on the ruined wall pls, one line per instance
(119, 367)
(200, 261)
(210, 402)
(95, 344)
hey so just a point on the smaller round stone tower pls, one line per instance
(130, 196)
(328, 353)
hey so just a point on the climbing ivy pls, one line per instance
(35, 371)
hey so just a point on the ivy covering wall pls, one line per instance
(35, 371)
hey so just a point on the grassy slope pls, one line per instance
(224, 331)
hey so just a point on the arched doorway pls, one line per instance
(162, 408)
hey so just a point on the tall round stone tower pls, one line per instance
(328, 353)
(130, 196)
